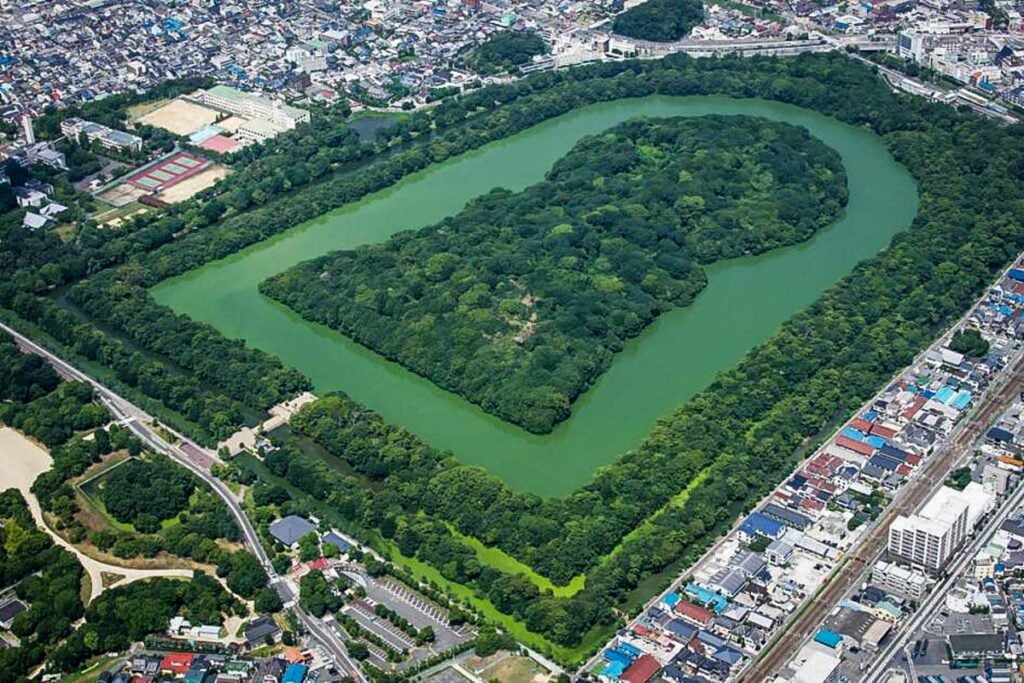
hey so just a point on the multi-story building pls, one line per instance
(909, 583)
(252, 106)
(928, 538)
(108, 138)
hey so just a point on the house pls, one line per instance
(200, 672)
(259, 630)
(694, 613)
(331, 538)
(145, 665)
(288, 530)
(759, 524)
(642, 670)
(9, 610)
(973, 646)
(176, 663)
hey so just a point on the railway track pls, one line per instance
(993, 403)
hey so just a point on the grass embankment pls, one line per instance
(429, 574)
(90, 493)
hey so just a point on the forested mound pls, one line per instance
(659, 20)
(506, 52)
(520, 301)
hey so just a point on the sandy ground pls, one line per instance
(122, 195)
(190, 186)
(231, 123)
(180, 117)
(23, 461)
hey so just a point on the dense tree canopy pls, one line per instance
(659, 20)
(520, 301)
(506, 51)
(969, 342)
(142, 490)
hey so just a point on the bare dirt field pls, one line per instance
(190, 186)
(180, 117)
(231, 123)
(122, 195)
(23, 461)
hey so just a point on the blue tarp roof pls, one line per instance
(613, 655)
(1016, 274)
(295, 673)
(828, 638)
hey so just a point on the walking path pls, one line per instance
(23, 461)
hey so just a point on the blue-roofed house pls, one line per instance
(758, 524)
(337, 541)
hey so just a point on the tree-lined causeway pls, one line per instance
(677, 356)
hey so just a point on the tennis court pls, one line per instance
(169, 172)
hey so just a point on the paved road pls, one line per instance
(914, 494)
(937, 598)
(198, 461)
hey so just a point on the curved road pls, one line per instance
(198, 461)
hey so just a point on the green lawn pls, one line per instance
(499, 559)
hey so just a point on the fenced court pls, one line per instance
(169, 172)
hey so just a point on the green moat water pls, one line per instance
(745, 301)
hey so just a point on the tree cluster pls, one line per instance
(661, 21)
(145, 492)
(506, 51)
(520, 301)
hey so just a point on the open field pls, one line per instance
(137, 111)
(187, 188)
(180, 117)
(121, 195)
(24, 460)
(515, 669)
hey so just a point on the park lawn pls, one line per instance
(499, 559)
(137, 111)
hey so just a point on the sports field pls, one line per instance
(187, 188)
(180, 117)
(169, 172)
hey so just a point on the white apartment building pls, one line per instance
(909, 583)
(930, 537)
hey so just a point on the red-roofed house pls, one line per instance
(903, 469)
(812, 504)
(855, 446)
(861, 425)
(884, 432)
(913, 460)
(642, 670)
(694, 613)
(914, 407)
(176, 663)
